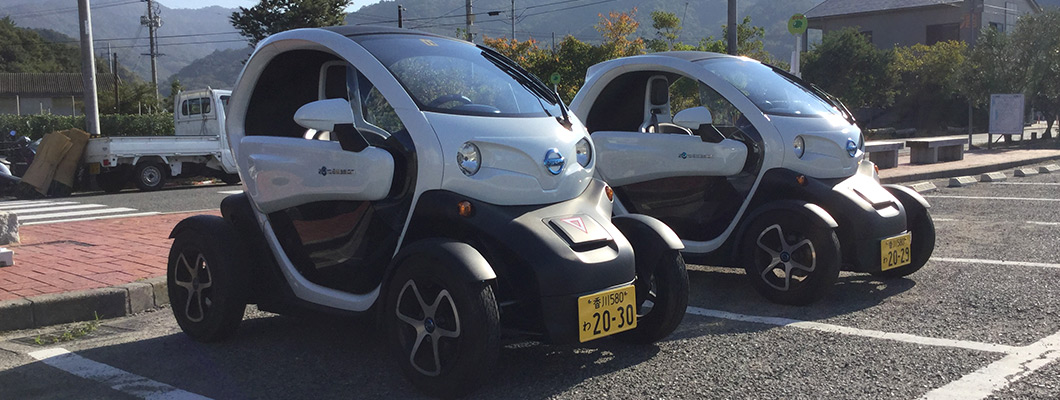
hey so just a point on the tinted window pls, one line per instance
(771, 92)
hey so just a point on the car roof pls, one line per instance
(691, 55)
(360, 30)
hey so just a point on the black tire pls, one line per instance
(230, 179)
(112, 181)
(776, 249)
(461, 326)
(210, 307)
(150, 175)
(662, 296)
(921, 227)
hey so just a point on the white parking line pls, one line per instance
(941, 196)
(117, 379)
(1015, 366)
(822, 327)
(995, 262)
(1026, 183)
(943, 219)
(230, 191)
(1044, 223)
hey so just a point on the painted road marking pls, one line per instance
(21, 206)
(995, 262)
(230, 191)
(1013, 367)
(1027, 183)
(23, 211)
(117, 379)
(940, 196)
(21, 202)
(56, 221)
(75, 213)
(822, 327)
(943, 219)
(1044, 223)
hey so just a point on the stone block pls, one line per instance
(924, 187)
(1048, 169)
(8, 228)
(16, 314)
(962, 181)
(1022, 172)
(61, 308)
(141, 296)
(993, 177)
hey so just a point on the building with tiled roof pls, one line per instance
(889, 23)
(47, 93)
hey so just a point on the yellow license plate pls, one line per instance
(894, 252)
(607, 313)
(93, 168)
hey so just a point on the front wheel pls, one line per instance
(789, 259)
(444, 332)
(150, 176)
(662, 297)
(922, 230)
(206, 279)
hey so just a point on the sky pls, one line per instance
(239, 3)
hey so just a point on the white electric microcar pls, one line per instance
(433, 182)
(753, 168)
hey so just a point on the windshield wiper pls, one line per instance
(529, 82)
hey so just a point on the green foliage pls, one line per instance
(846, 65)
(928, 82)
(667, 29)
(24, 50)
(1037, 40)
(274, 16)
(988, 68)
(36, 126)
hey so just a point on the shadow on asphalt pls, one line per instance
(283, 358)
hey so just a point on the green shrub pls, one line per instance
(36, 126)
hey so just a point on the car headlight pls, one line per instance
(584, 152)
(800, 146)
(468, 159)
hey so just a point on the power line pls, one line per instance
(133, 46)
(39, 13)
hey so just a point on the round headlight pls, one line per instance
(800, 146)
(584, 152)
(468, 159)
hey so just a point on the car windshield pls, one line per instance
(450, 76)
(770, 91)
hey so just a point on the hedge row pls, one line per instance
(35, 126)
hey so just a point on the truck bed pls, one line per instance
(139, 146)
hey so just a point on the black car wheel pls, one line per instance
(206, 279)
(662, 297)
(150, 176)
(922, 230)
(789, 259)
(444, 332)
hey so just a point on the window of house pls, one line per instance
(942, 33)
(997, 26)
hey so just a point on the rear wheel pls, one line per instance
(150, 175)
(662, 296)
(789, 259)
(444, 332)
(207, 281)
(112, 181)
(230, 179)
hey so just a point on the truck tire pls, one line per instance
(150, 175)
(112, 181)
(230, 179)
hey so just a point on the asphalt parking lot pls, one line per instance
(980, 320)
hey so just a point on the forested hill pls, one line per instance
(542, 19)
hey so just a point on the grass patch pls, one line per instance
(73, 333)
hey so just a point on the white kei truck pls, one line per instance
(200, 147)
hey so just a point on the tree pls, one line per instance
(274, 16)
(928, 81)
(1037, 42)
(616, 28)
(23, 50)
(667, 29)
(846, 65)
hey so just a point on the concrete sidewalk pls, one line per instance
(69, 272)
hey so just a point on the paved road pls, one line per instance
(129, 203)
(981, 320)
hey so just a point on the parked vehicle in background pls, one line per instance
(199, 147)
(756, 169)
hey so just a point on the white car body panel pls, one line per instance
(625, 158)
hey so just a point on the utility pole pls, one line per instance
(152, 21)
(470, 21)
(732, 27)
(513, 19)
(117, 108)
(88, 68)
(400, 9)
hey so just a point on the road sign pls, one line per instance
(554, 78)
(797, 24)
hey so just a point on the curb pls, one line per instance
(83, 305)
(965, 171)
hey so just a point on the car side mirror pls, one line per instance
(692, 118)
(324, 115)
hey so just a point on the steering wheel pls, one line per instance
(438, 101)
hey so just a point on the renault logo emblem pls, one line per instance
(554, 161)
